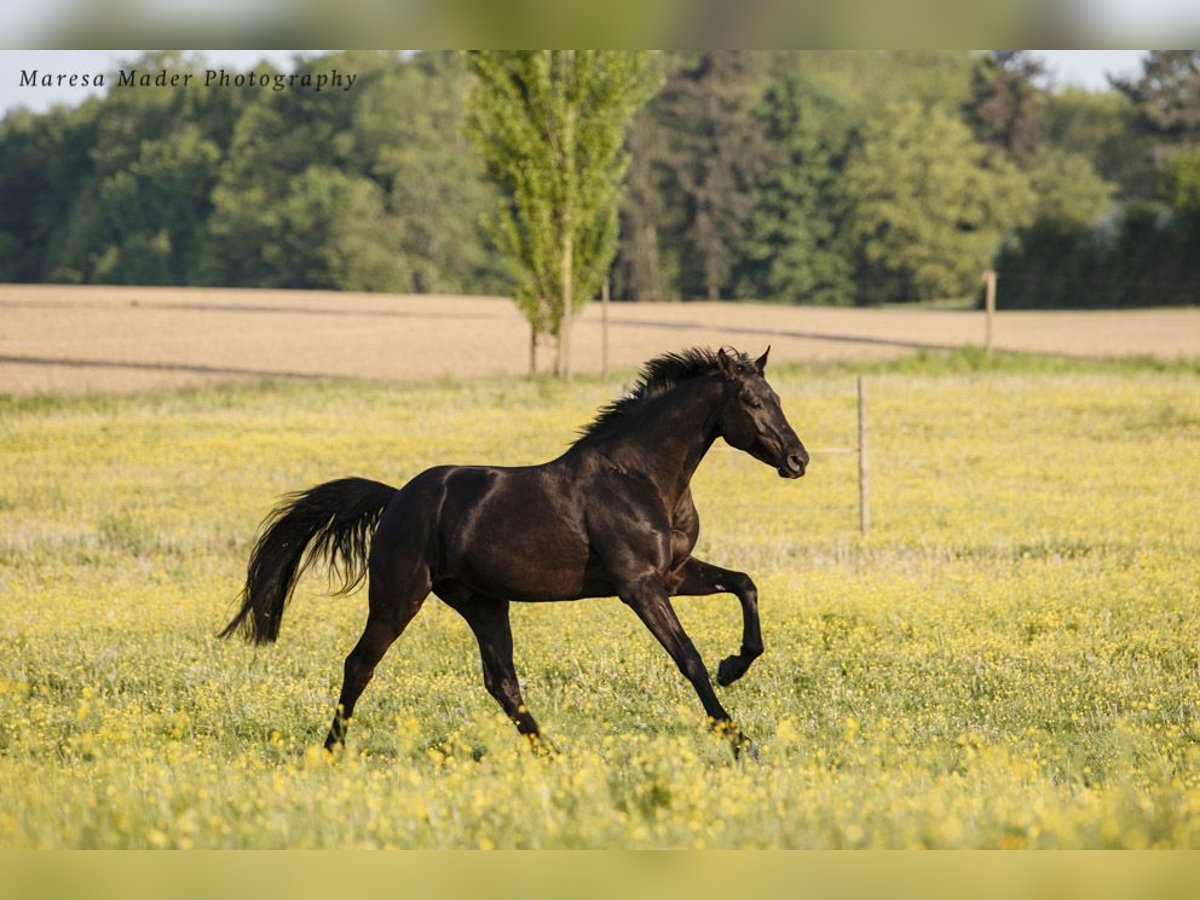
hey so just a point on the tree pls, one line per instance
(715, 151)
(867, 82)
(551, 126)
(1185, 200)
(1005, 109)
(144, 191)
(156, 208)
(1102, 126)
(44, 167)
(334, 233)
(1166, 94)
(639, 273)
(1164, 99)
(794, 251)
(283, 153)
(409, 136)
(1185, 183)
(926, 205)
(1067, 188)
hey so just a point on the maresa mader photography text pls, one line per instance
(334, 79)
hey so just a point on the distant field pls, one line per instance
(56, 339)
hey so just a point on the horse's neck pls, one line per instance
(667, 439)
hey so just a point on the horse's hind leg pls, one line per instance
(488, 618)
(393, 603)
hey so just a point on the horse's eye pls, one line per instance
(754, 403)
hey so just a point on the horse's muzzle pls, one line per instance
(793, 465)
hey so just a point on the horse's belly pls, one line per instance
(553, 572)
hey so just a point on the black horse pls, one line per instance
(611, 516)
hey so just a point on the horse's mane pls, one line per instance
(658, 376)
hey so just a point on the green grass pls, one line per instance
(1009, 659)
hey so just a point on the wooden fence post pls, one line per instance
(604, 289)
(989, 280)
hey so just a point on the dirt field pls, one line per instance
(56, 339)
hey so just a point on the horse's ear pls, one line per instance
(761, 362)
(728, 366)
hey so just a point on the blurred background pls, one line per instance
(797, 177)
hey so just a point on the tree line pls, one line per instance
(824, 177)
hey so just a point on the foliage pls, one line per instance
(744, 180)
(413, 115)
(1080, 252)
(868, 81)
(926, 205)
(374, 193)
(737, 159)
(1005, 108)
(1101, 127)
(551, 126)
(1067, 189)
(1144, 256)
(1163, 100)
(1165, 94)
(794, 248)
(44, 181)
(641, 271)
(376, 189)
(714, 151)
(1008, 660)
(1185, 183)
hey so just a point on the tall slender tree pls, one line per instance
(551, 125)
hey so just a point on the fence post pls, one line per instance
(864, 503)
(989, 280)
(604, 289)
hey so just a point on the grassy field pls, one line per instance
(1010, 659)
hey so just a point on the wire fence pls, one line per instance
(860, 450)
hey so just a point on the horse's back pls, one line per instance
(511, 532)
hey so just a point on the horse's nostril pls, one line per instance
(797, 463)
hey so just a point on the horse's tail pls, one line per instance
(337, 519)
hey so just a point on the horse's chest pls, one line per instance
(685, 529)
(683, 539)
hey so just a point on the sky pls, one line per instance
(1080, 68)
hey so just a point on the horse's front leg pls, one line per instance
(648, 598)
(698, 578)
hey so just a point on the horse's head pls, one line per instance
(752, 420)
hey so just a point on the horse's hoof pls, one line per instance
(730, 670)
(540, 746)
(745, 749)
